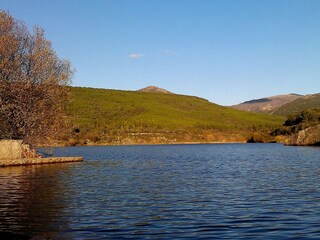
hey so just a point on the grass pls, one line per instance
(115, 116)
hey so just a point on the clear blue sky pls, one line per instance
(226, 51)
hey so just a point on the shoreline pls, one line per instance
(175, 143)
(151, 144)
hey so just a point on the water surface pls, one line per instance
(235, 191)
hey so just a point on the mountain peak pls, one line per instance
(154, 89)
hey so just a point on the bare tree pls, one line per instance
(33, 84)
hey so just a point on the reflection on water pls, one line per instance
(190, 191)
(32, 199)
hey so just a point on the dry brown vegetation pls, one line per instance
(32, 83)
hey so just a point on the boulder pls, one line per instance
(15, 149)
(10, 149)
(307, 137)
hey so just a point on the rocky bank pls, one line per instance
(307, 137)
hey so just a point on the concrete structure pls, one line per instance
(37, 161)
(11, 149)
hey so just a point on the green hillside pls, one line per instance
(114, 116)
(298, 105)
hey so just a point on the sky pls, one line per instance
(227, 51)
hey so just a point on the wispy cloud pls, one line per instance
(169, 52)
(136, 55)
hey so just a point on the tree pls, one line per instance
(33, 84)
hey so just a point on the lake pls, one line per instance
(235, 191)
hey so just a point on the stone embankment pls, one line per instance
(15, 153)
(36, 161)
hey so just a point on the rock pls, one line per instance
(307, 137)
(15, 149)
(154, 89)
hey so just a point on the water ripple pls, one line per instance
(231, 191)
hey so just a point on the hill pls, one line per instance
(266, 105)
(125, 117)
(154, 89)
(298, 105)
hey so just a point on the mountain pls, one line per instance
(299, 104)
(129, 117)
(266, 105)
(154, 89)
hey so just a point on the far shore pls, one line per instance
(144, 144)
(168, 143)
(171, 143)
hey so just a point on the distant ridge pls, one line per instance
(268, 104)
(300, 104)
(154, 89)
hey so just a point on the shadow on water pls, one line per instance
(31, 201)
(13, 236)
